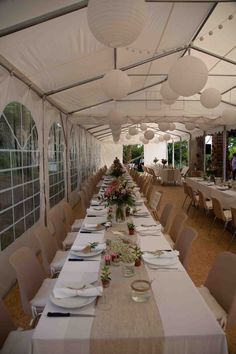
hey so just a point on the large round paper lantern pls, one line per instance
(229, 116)
(116, 84)
(210, 98)
(143, 126)
(133, 131)
(166, 137)
(167, 93)
(116, 117)
(149, 134)
(172, 126)
(190, 126)
(164, 126)
(116, 23)
(188, 76)
(115, 127)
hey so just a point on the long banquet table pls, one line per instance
(209, 189)
(184, 323)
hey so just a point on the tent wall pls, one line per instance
(44, 115)
(109, 151)
(155, 150)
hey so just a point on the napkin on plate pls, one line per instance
(85, 291)
(91, 226)
(102, 212)
(160, 254)
(99, 247)
(149, 229)
(95, 202)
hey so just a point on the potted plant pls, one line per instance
(131, 228)
(164, 162)
(155, 160)
(137, 253)
(105, 276)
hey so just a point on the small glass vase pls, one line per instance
(120, 214)
(127, 269)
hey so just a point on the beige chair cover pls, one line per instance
(59, 226)
(183, 244)
(166, 212)
(177, 225)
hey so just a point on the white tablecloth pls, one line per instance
(189, 326)
(227, 198)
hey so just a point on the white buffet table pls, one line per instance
(189, 326)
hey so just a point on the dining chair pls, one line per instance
(194, 199)
(220, 214)
(69, 217)
(183, 244)
(13, 341)
(57, 226)
(219, 289)
(186, 192)
(165, 214)
(204, 204)
(154, 203)
(53, 258)
(176, 227)
(35, 288)
(233, 222)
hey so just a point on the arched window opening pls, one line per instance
(19, 173)
(73, 162)
(56, 164)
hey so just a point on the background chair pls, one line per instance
(186, 192)
(35, 288)
(53, 259)
(220, 214)
(183, 244)
(165, 215)
(13, 341)
(233, 221)
(194, 198)
(154, 203)
(221, 284)
(176, 227)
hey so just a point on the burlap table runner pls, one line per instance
(122, 326)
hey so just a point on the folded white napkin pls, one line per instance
(99, 247)
(92, 211)
(164, 254)
(90, 226)
(155, 228)
(64, 292)
(95, 202)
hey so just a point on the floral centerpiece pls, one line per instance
(164, 162)
(155, 160)
(118, 193)
(116, 169)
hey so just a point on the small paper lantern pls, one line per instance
(128, 137)
(115, 128)
(161, 138)
(167, 93)
(168, 101)
(188, 76)
(149, 134)
(116, 117)
(133, 131)
(229, 116)
(143, 126)
(167, 137)
(189, 126)
(145, 141)
(116, 84)
(164, 126)
(172, 126)
(116, 23)
(210, 98)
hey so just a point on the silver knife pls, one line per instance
(68, 314)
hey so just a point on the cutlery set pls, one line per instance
(69, 314)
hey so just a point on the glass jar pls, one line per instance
(140, 290)
(120, 214)
(128, 269)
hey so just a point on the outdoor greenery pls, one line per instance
(231, 146)
(130, 152)
(178, 146)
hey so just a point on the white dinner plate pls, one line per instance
(99, 227)
(161, 261)
(223, 188)
(87, 254)
(73, 302)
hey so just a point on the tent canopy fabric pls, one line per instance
(62, 61)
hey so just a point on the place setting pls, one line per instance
(161, 259)
(87, 252)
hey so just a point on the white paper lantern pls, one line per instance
(188, 76)
(149, 134)
(156, 140)
(128, 137)
(167, 93)
(116, 84)
(166, 137)
(141, 138)
(116, 23)
(190, 126)
(164, 126)
(161, 138)
(210, 98)
(168, 101)
(145, 141)
(143, 126)
(229, 116)
(172, 126)
(133, 131)
(116, 117)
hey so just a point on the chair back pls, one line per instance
(183, 244)
(233, 212)
(68, 215)
(186, 191)
(59, 227)
(221, 282)
(217, 209)
(184, 171)
(192, 195)
(155, 200)
(29, 274)
(166, 213)
(202, 201)
(177, 225)
(170, 176)
(48, 246)
(6, 323)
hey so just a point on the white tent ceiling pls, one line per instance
(61, 59)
